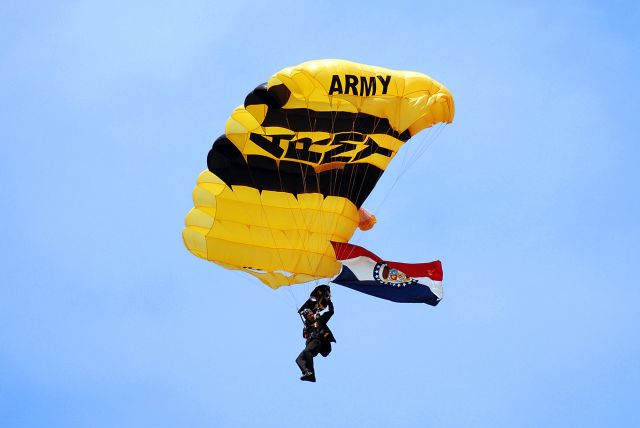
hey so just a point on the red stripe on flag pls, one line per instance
(431, 270)
(345, 251)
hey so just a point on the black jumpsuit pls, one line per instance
(319, 339)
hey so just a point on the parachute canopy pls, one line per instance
(298, 159)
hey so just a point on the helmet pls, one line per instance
(320, 291)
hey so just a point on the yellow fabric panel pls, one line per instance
(194, 236)
(279, 210)
(439, 109)
(200, 219)
(242, 120)
(258, 111)
(286, 238)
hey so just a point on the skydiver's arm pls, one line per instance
(327, 314)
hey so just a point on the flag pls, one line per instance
(399, 282)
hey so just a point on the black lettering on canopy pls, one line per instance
(385, 83)
(350, 83)
(336, 85)
(373, 148)
(299, 150)
(272, 146)
(367, 86)
(336, 154)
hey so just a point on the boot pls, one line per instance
(308, 376)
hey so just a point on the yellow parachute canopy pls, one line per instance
(297, 161)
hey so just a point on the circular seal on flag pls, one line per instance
(391, 276)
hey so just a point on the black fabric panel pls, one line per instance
(307, 120)
(225, 160)
(261, 95)
(354, 182)
(281, 93)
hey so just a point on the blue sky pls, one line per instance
(530, 199)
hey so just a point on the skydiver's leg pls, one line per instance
(305, 359)
(311, 350)
(301, 361)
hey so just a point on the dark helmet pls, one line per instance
(320, 291)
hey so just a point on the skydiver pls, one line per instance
(315, 313)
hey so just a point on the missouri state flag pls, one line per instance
(399, 282)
